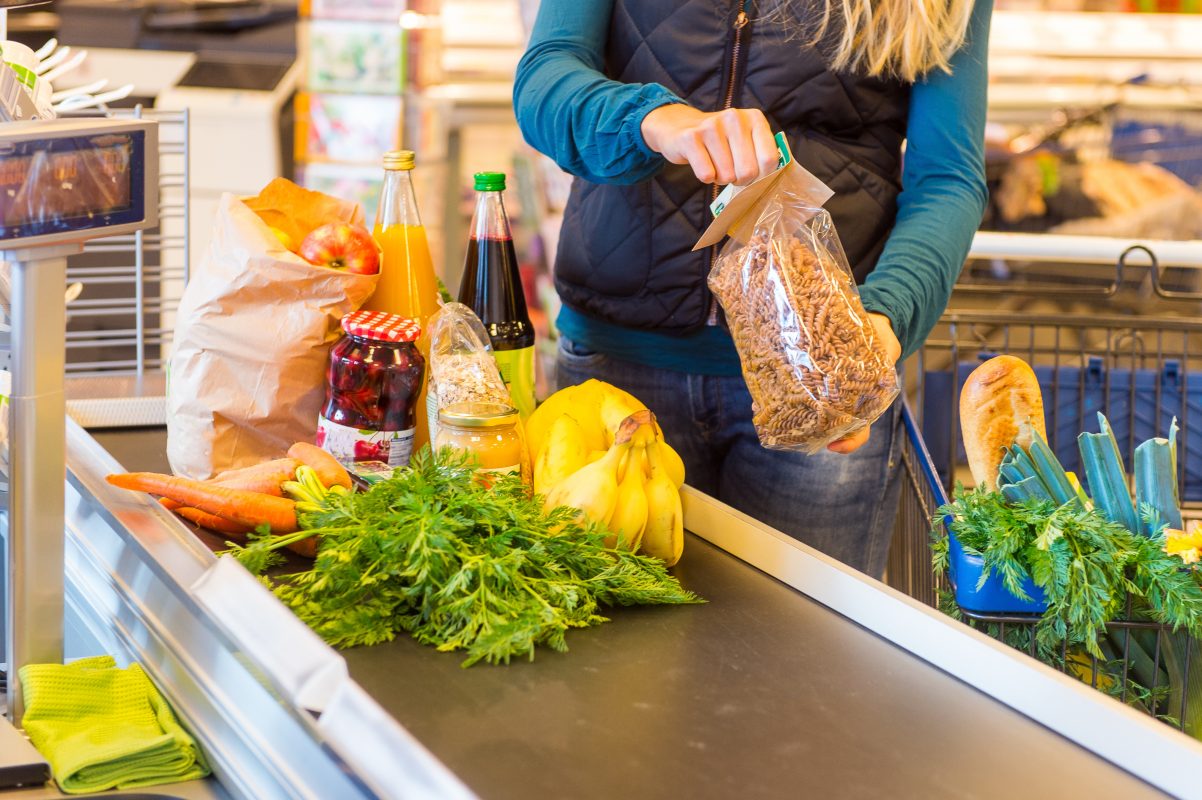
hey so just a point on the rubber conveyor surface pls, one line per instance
(759, 693)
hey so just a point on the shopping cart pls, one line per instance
(1142, 372)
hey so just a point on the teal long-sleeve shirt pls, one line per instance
(591, 126)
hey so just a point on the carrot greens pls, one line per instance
(1087, 565)
(432, 552)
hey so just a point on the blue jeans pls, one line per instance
(843, 505)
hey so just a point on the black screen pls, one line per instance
(250, 75)
(70, 183)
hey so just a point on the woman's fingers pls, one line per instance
(852, 443)
(766, 154)
(737, 125)
(718, 146)
(731, 146)
(698, 155)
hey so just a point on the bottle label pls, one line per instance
(432, 416)
(370, 472)
(350, 445)
(517, 370)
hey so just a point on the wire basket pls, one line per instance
(1141, 372)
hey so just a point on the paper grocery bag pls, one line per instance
(255, 324)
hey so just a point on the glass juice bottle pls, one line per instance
(407, 286)
(492, 287)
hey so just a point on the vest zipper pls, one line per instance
(741, 21)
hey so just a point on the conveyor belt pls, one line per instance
(759, 693)
(762, 692)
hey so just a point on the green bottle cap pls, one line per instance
(490, 181)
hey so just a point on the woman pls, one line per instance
(653, 104)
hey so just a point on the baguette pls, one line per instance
(1000, 405)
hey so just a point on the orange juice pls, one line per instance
(407, 284)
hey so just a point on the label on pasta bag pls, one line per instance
(738, 205)
(350, 445)
(784, 158)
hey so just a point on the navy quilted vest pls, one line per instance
(625, 251)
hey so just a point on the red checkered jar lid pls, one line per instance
(381, 327)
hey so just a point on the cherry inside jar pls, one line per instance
(373, 381)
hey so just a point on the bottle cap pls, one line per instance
(399, 159)
(477, 415)
(490, 181)
(381, 327)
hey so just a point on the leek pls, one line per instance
(1106, 476)
(1031, 488)
(1156, 483)
(1050, 471)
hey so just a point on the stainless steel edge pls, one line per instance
(254, 746)
(1148, 749)
(135, 567)
(124, 563)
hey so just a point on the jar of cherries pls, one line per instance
(373, 381)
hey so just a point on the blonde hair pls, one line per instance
(903, 39)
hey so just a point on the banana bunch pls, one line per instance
(632, 486)
(597, 409)
(307, 491)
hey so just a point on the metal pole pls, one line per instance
(37, 455)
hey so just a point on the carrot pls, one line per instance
(212, 521)
(170, 505)
(264, 484)
(236, 505)
(287, 466)
(328, 470)
(305, 547)
(237, 533)
(275, 465)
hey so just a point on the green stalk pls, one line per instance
(1106, 476)
(1031, 488)
(1051, 471)
(1156, 482)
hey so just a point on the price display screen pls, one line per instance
(74, 183)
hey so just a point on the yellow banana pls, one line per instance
(563, 453)
(595, 455)
(663, 536)
(630, 508)
(671, 461)
(613, 410)
(593, 488)
(539, 423)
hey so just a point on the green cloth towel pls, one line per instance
(101, 727)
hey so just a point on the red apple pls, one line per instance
(342, 246)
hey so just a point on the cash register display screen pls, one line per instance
(69, 184)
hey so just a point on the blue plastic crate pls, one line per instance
(965, 570)
(1140, 404)
(992, 597)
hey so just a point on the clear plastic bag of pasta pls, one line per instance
(814, 364)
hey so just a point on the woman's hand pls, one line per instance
(731, 146)
(884, 329)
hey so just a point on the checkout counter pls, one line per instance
(799, 677)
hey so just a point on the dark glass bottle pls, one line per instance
(492, 287)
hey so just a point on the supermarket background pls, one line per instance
(1084, 96)
(1095, 143)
